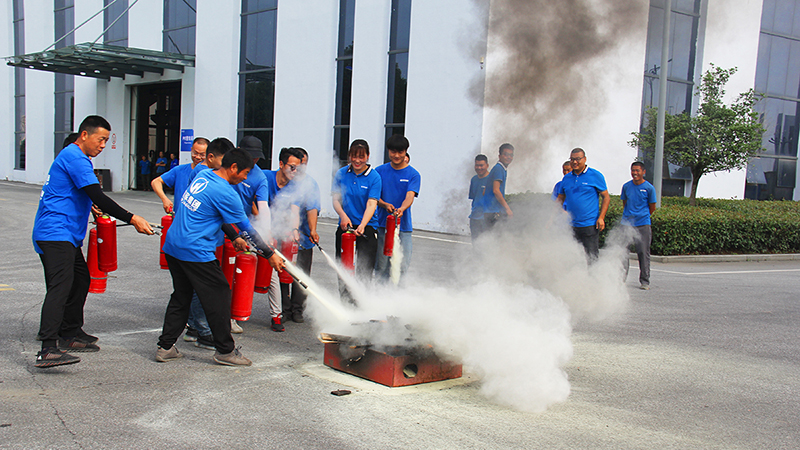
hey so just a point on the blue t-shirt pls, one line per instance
(305, 191)
(490, 203)
(253, 188)
(174, 163)
(556, 189)
(161, 169)
(477, 188)
(355, 191)
(197, 169)
(178, 180)
(395, 184)
(637, 202)
(63, 212)
(144, 167)
(583, 193)
(207, 203)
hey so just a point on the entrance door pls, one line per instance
(158, 127)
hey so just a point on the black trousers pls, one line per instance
(295, 301)
(66, 276)
(212, 289)
(590, 238)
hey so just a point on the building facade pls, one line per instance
(457, 77)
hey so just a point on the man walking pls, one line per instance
(400, 185)
(581, 191)
(477, 189)
(495, 206)
(58, 232)
(639, 202)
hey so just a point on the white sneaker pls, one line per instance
(235, 328)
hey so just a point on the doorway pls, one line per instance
(158, 129)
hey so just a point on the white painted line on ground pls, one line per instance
(727, 272)
(125, 333)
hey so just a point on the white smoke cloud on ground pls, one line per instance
(508, 313)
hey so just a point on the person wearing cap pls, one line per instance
(254, 193)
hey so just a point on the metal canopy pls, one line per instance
(102, 61)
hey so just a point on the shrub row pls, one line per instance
(717, 226)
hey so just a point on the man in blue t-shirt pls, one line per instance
(144, 174)
(161, 164)
(582, 190)
(639, 202)
(206, 207)
(400, 185)
(565, 169)
(477, 189)
(495, 206)
(305, 194)
(60, 225)
(355, 190)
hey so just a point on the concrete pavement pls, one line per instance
(708, 358)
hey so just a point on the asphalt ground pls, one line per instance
(708, 358)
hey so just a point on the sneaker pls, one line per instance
(190, 335)
(206, 342)
(168, 355)
(51, 356)
(235, 328)
(297, 317)
(234, 358)
(77, 344)
(276, 324)
(86, 337)
(645, 287)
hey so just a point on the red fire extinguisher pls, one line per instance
(97, 278)
(289, 250)
(263, 276)
(166, 221)
(388, 244)
(228, 261)
(106, 244)
(348, 250)
(244, 280)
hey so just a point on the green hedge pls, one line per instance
(718, 226)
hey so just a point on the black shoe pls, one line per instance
(297, 317)
(206, 342)
(51, 356)
(77, 344)
(190, 335)
(276, 324)
(86, 337)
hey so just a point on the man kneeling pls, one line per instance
(206, 206)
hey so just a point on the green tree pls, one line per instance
(719, 137)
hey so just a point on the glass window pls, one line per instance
(179, 26)
(19, 87)
(118, 33)
(344, 80)
(401, 25)
(257, 73)
(398, 69)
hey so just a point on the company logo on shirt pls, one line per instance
(190, 202)
(198, 186)
(404, 180)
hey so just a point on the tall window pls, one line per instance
(118, 33)
(684, 29)
(398, 69)
(344, 79)
(179, 26)
(772, 174)
(64, 84)
(257, 72)
(19, 87)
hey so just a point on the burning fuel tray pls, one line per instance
(397, 366)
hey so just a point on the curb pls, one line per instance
(721, 258)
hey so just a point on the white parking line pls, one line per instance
(726, 272)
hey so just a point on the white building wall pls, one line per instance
(443, 123)
(731, 40)
(86, 89)
(305, 86)
(39, 98)
(7, 142)
(216, 83)
(370, 76)
(145, 25)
